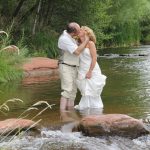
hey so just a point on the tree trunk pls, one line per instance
(42, 14)
(50, 16)
(20, 4)
(49, 9)
(28, 13)
(36, 17)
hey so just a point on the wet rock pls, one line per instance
(40, 66)
(13, 125)
(125, 55)
(111, 124)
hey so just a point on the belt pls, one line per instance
(68, 64)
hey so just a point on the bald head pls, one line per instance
(73, 28)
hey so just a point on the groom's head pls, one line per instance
(73, 28)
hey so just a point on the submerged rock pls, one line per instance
(11, 126)
(111, 124)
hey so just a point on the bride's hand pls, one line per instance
(87, 38)
(88, 75)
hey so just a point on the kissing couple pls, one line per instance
(78, 68)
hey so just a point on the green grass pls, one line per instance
(10, 62)
(8, 72)
(44, 44)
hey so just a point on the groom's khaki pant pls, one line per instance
(68, 76)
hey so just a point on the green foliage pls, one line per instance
(115, 22)
(127, 15)
(8, 72)
(145, 28)
(10, 62)
(147, 39)
(45, 44)
(94, 14)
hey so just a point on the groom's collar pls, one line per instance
(67, 34)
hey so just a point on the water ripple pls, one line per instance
(57, 140)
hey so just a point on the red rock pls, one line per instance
(40, 62)
(112, 124)
(14, 125)
(31, 79)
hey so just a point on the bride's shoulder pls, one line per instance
(90, 44)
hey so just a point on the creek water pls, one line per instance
(127, 91)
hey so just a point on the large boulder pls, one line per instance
(40, 66)
(14, 125)
(111, 124)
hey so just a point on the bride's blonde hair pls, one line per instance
(90, 33)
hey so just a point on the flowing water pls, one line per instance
(127, 91)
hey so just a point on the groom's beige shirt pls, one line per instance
(68, 45)
(68, 73)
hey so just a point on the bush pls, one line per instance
(10, 62)
(44, 44)
(147, 39)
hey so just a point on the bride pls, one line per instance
(90, 80)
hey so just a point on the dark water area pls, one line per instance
(127, 91)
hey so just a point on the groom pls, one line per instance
(68, 64)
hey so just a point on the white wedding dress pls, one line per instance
(90, 88)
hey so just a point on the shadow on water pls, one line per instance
(127, 91)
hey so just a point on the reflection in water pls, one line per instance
(42, 79)
(91, 111)
(70, 118)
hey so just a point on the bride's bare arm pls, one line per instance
(93, 53)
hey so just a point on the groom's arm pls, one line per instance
(66, 44)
